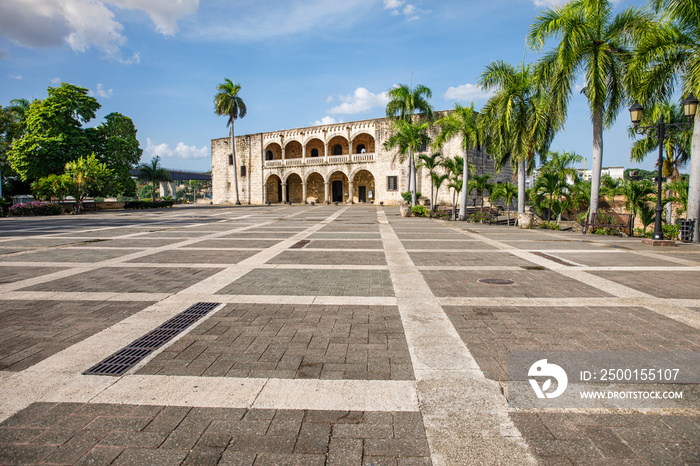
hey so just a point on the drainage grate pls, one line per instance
(533, 267)
(495, 281)
(126, 358)
(553, 259)
(300, 244)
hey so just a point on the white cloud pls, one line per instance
(181, 151)
(400, 7)
(83, 24)
(360, 101)
(467, 92)
(56, 80)
(4, 54)
(101, 92)
(326, 120)
(16, 76)
(392, 4)
(550, 3)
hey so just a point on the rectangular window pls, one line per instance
(230, 159)
(392, 183)
(242, 170)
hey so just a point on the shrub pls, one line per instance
(480, 217)
(407, 196)
(420, 211)
(549, 226)
(33, 209)
(605, 231)
(671, 231)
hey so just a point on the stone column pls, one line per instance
(264, 193)
(327, 191)
(283, 153)
(284, 192)
(325, 152)
(303, 191)
(303, 157)
(350, 193)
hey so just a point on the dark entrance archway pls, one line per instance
(279, 190)
(337, 195)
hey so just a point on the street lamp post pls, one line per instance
(690, 105)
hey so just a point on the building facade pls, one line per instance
(342, 162)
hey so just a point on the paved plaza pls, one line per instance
(337, 335)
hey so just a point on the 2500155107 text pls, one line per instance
(631, 375)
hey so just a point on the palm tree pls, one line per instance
(227, 102)
(480, 184)
(507, 192)
(680, 190)
(552, 185)
(461, 122)
(437, 180)
(561, 163)
(431, 162)
(520, 118)
(455, 169)
(405, 100)
(409, 137)
(636, 194)
(665, 55)
(595, 43)
(647, 215)
(153, 173)
(610, 186)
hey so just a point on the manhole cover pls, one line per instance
(496, 281)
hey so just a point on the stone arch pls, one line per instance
(273, 185)
(363, 139)
(294, 188)
(292, 150)
(363, 186)
(317, 145)
(339, 186)
(338, 141)
(273, 148)
(315, 188)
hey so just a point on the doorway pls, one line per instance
(362, 194)
(279, 190)
(338, 191)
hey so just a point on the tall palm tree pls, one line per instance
(431, 162)
(480, 184)
(438, 179)
(680, 190)
(405, 101)
(408, 138)
(227, 102)
(455, 169)
(153, 173)
(520, 117)
(597, 44)
(636, 193)
(507, 192)
(462, 122)
(561, 163)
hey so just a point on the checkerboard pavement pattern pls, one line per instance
(373, 343)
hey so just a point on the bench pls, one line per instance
(483, 214)
(620, 223)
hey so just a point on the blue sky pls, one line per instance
(300, 63)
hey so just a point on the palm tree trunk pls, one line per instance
(694, 183)
(408, 171)
(465, 189)
(521, 186)
(414, 200)
(235, 167)
(597, 162)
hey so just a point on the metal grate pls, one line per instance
(127, 357)
(300, 244)
(496, 281)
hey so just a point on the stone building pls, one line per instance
(341, 162)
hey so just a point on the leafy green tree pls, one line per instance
(520, 119)
(86, 177)
(228, 102)
(437, 180)
(596, 43)
(647, 215)
(507, 192)
(680, 189)
(551, 191)
(153, 173)
(145, 191)
(461, 122)
(455, 169)
(12, 127)
(50, 188)
(636, 194)
(115, 145)
(409, 138)
(431, 163)
(561, 163)
(404, 102)
(610, 186)
(480, 184)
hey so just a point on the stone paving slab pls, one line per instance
(451, 245)
(15, 274)
(195, 256)
(553, 245)
(43, 243)
(292, 341)
(127, 280)
(527, 284)
(271, 234)
(69, 254)
(344, 244)
(577, 438)
(490, 332)
(310, 282)
(75, 433)
(614, 259)
(138, 243)
(235, 243)
(31, 331)
(479, 259)
(667, 284)
(329, 258)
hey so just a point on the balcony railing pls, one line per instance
(330, 160)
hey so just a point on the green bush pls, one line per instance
(671, 232)
(148, 204)
(407, 196)
(605, 231)
(33, 209)
(549, 226)
(480, 217)
(420, 211)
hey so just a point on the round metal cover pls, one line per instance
(496, 281)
